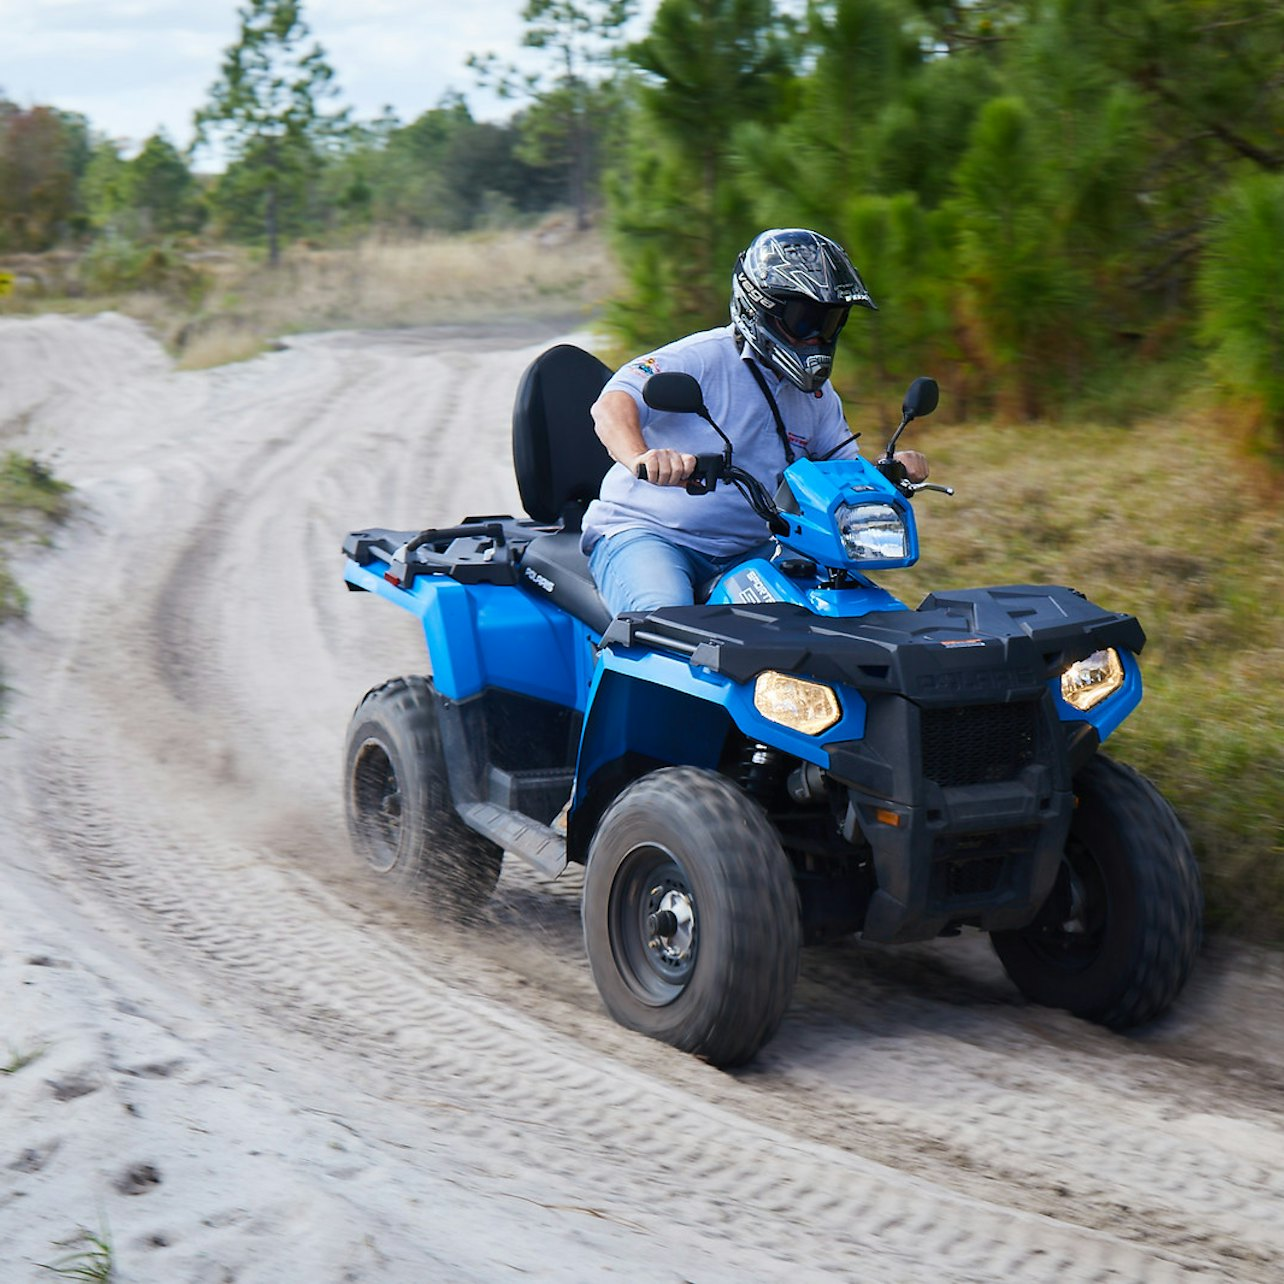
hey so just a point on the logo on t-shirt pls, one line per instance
(647, 366)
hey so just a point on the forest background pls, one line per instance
(1070, 212)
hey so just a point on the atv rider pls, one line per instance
(765, 379)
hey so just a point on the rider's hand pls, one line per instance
(916, 469)
(665, 467)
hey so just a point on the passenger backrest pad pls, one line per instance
(557, 456)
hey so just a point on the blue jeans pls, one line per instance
(638, 570)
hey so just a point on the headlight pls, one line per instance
(1088, 682)
(809, 707)
(872, 532)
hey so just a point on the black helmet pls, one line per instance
(790, 295)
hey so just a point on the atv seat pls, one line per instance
(557, 456)
(560, 464)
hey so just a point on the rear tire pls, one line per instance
(400, 817)
(1118, 935)
(691, 918)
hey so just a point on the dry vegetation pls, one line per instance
(223, 305)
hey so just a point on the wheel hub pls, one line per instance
(654, 925)
(671, 927)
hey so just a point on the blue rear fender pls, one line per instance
(492, 635)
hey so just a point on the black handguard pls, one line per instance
(893, 470)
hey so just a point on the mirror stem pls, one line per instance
(896, 436)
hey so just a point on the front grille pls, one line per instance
(968, 878)
(978, 744)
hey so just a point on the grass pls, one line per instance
(20, 1060)
(32, 501)
(88, 1257)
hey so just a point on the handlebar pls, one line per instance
(711, 469)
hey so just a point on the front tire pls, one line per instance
(400, 817)
(691, 917)
(1118, 935)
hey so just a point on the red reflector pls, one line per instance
(391, 578)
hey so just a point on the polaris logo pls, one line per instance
(540, 581)
(975, 682)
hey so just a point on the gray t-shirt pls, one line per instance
(721, 523)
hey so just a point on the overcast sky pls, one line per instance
(133, 66)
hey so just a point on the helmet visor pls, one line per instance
(805, 319)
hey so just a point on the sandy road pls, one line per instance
(251, 1065)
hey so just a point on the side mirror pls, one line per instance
(921, 399)
(675, 391)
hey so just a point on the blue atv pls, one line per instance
(799, 757)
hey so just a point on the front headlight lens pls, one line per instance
(1088, 682)
(809, 707)
(872, 532)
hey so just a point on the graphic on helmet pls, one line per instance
(790, 295)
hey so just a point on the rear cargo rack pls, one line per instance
(479, 550)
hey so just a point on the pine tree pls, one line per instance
(1241, 284)
(563, 124)
(266, 110)
(708, 68)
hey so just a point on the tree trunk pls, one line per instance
(274, 248)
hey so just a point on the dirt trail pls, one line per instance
(251, 1065)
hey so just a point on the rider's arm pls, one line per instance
(619, 426)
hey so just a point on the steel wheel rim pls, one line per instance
(653, 924)
(376, 795)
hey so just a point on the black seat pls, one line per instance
(560, 464)
(558, 458)
(554, 567)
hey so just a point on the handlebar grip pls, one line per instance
(641, 472)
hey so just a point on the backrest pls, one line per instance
(557, 456)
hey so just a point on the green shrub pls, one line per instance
(116, 264)
(31, 499)
(1241, 287)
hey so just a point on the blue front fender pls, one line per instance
(660, 707)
